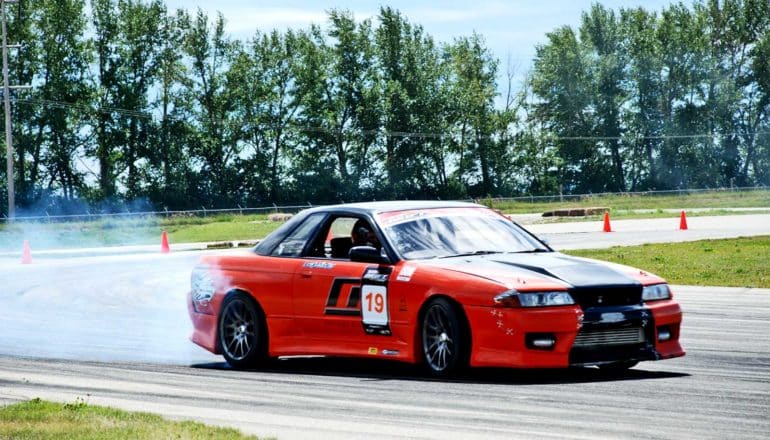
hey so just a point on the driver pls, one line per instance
(363, 235)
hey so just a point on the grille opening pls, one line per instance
(594, 339)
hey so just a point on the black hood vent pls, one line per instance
(604, 296)
(593, 284)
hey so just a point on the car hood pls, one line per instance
(534, 271)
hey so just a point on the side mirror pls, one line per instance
(367, 254)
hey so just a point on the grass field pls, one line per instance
(189, 229)
(712, 199)
(135, 231)
(41, 420)
(740, 262)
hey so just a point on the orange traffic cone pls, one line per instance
(607, 227)
(683, 221)
(26, 255)
(164, 248)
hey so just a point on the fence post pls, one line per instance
(204, 210)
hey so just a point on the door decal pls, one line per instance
(350, 307)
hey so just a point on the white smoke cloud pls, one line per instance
(99, 308)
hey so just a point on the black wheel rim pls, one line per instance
(238, 333)
(438, 339)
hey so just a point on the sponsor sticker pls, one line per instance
(406, 273)
(613, 317)
(376, 277)
(373, 350)
(318, 265)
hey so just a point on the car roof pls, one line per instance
(396, 205)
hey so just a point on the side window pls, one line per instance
(294, 243)
(339, 237)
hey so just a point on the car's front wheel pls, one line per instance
(444, 338)
(242, 331)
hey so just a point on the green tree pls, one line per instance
(340, 94)
(63, 93)
(561, 83)
(758, 133)
(22, 65)
(473, 93)
(138, 54)
(105, 42)
(644, 118)
(214, 146)
(262, 84)
(411, 72)
(601, 32)
(736, 29)
(170, 165)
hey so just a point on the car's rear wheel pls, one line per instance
(444, 338)
(242, 331)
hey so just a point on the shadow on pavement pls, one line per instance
(382, 370)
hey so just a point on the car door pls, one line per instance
(327, 297)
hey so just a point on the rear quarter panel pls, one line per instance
(267, 279)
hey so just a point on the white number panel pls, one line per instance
(374, 305)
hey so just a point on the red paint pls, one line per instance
(294, 295)
(164, 247)
(607, 227)
(26, 255)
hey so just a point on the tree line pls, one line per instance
(135, 104)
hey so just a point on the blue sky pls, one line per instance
(511, 28)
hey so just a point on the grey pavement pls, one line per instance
(587, 235)
(719, 390)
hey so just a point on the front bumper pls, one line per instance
(595, 336)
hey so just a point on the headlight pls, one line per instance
(656, 292)
(513, 298)
(202, 288)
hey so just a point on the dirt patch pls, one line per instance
(576, 212)
(279, 217)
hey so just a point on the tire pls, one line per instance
(618, 367)
(242, 332)
(444, 338)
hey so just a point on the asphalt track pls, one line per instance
(582, 235)
(113, 330)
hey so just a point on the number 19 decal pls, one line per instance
(374, 305)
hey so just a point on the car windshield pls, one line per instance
(452, 232)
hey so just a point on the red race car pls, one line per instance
(440, 283)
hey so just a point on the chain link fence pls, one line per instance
(578, 197)
(203, 212)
